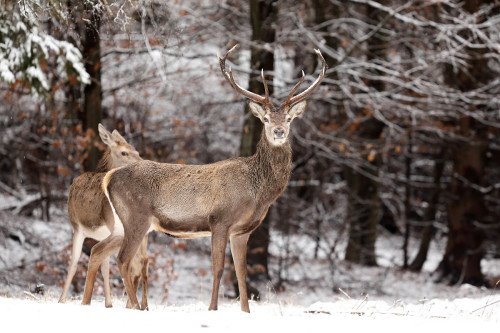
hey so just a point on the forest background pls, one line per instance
(402, 136)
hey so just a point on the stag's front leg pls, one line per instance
(239, 252)
(219, 242)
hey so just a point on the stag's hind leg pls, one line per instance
(134, 234)
(100, 252)
(239, 252)
(219, 242)
(76, 252)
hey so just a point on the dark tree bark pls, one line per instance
(364, 206)
(461, 262)
(407, 202)
(325, 10)
(430, 214)
(91, 114)
(262, 17)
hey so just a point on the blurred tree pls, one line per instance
(34, 63)
(354, 158)
(429, 217)
(364, 206)
(262, 17)
(92, 93)
(461, 262)
(86, 18)
(25, 51)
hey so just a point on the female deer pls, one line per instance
(90, 214)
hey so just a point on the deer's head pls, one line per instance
(120, 152)
(276, 119)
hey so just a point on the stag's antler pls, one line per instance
(229, 77)
(300, 97)
(265, 100)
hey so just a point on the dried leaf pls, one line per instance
(342, 147)
(371, 156)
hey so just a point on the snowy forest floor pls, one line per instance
(316, 294)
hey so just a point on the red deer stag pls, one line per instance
(225, 200)
(91, 216)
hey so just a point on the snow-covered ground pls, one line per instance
(315, 296)
(355, 315)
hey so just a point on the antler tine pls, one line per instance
(222, 63)
(229, 78)
(308, 91)
(295, 88)
(266, 100)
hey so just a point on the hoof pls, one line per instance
(133, 307)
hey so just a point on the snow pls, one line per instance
(316, 296)
(15, 56)
(356, 315)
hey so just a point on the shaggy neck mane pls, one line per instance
(104, 164)
(271, 168)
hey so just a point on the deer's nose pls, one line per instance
(279, 132)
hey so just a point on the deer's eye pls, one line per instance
(266, 120)
(124, 153)
(288, 120)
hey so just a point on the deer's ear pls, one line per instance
(257, 110)
(117, 137)
(106, 137)
(297, 110)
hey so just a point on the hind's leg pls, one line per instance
(76, 252)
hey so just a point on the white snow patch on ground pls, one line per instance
(354, 315)
(317, 296)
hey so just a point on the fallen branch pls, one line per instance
(27, 293)
(485, 306)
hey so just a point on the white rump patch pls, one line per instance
(98, 234)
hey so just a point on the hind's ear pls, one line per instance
(106, 137)
(117, 137)
(297, 110)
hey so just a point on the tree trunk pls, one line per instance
(461, 262)
(429, 216)
(462, 259)
(364, 205)
(92, 106)
(262, 17)
(407, 201)
(363, 215)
